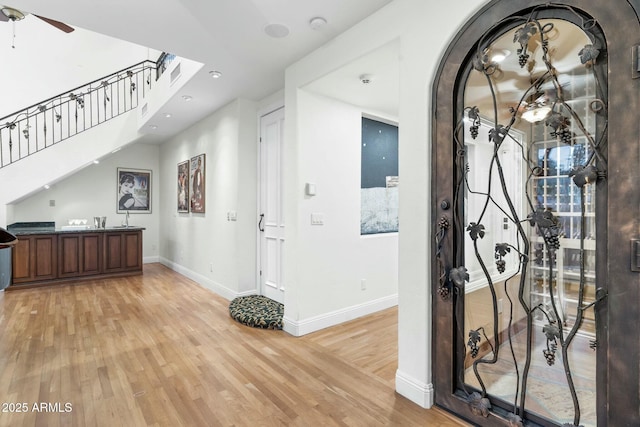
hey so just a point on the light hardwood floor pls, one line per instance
(159, 350)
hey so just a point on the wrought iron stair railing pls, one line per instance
(58, 118)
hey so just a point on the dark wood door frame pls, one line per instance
(619, 347)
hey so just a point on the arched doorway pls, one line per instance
(535, 152)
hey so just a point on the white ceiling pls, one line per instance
(370, 82)
(225, 35)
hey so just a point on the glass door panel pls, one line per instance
(528, 160)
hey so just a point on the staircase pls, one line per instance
(91, 121)
(38, 127)
(79, 117)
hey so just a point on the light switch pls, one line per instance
(317, 219)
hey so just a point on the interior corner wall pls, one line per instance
(212, 248)
(93, 192)
(336, 262)
(425, 30)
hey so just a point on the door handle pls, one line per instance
(260, 222)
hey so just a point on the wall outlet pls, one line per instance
(363, 284)
(211, 267)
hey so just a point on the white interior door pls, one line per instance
(271, 215)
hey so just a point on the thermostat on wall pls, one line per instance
(310, 189)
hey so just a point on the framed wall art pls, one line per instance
(197, 182)
(183, 186)
(134, 190)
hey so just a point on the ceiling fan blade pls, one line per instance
(59, 25)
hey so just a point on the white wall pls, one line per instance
(334, 258)
(425, 31)
(93, 192)
(218, 253)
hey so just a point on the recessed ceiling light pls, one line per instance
(95, 162)
(186, 98)
(167, 115)
(277, 31)
(215, 74)
(47, 186)
(317, 23)
(116, 150)
(153, 126)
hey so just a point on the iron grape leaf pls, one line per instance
(543, 218)
(514, 420)
(588, 53)
(459, 275)
(475, 231)
(523, 34)
(584, 175)
(557, 120)
(551, 331)
(502, 249)
(479, 405)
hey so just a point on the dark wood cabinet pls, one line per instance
(35, 258)
(61, 256)
(122, 251)
(79, 254)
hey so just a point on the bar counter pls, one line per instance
(45, 254)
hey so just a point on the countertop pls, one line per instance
(26, 229)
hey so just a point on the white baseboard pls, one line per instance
(204, 281)
(295, 328)
(306, 326)
(151, 259)
(415, 390)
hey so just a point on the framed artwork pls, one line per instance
(134, 191)
(197, 181)
(183, 186)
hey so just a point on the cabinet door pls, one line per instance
(44, 257)
(113, 243)
(35, 258)
(123, 251)
(79, 255)
(22, 260)
(132, 256)
(91, 249)
(69, 260)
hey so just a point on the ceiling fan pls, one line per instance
(13, 15)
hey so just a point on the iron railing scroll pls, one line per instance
(63, 116)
